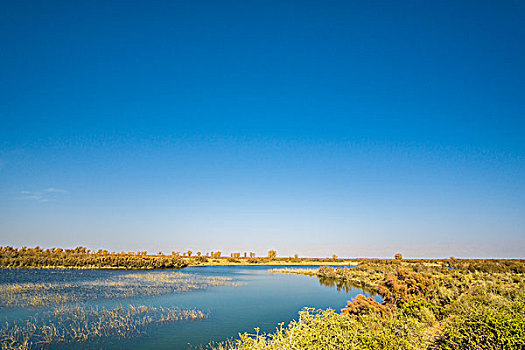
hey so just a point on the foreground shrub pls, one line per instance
(404, 285)
(361, 305)
(484, 321)
(328, 330)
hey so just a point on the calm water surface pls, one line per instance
(259, 299)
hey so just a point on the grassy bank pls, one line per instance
(447, 304)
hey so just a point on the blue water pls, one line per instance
(261, 299)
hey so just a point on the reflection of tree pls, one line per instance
(342, 285)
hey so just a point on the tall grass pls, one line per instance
(78, 323)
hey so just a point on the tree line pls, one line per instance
(81, 257)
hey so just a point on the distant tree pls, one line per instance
(198, 253)
(245, 255)
(272, 254)
(189, 252)
(334, 257)
(398, 256)
(296, 256)
(252, 255)
(79, 250)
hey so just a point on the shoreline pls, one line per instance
(274, 263)
(223, 261)
(190, 264)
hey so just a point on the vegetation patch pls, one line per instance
(81, 257)
(78, 324)
(427, 304)
(116, 287)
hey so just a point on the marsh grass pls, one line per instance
(80, 323)
(296, 271)
(118, 287)
(77, 320)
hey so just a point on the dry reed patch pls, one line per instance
(117, 287)
(77, 324)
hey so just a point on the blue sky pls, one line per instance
(354, 128)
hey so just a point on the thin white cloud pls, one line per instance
(54, 190)
(46, 195)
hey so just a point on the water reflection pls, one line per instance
(346, 286)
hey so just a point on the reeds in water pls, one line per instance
(118, 287)
(77, 324)
(296, 271)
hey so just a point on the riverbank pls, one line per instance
(456, 304)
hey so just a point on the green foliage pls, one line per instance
(423, 310)
(484, 321)
(328, 330)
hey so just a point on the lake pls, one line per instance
(230, 299)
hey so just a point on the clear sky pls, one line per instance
(313, 127)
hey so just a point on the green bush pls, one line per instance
(484, 321)
(328, 330)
